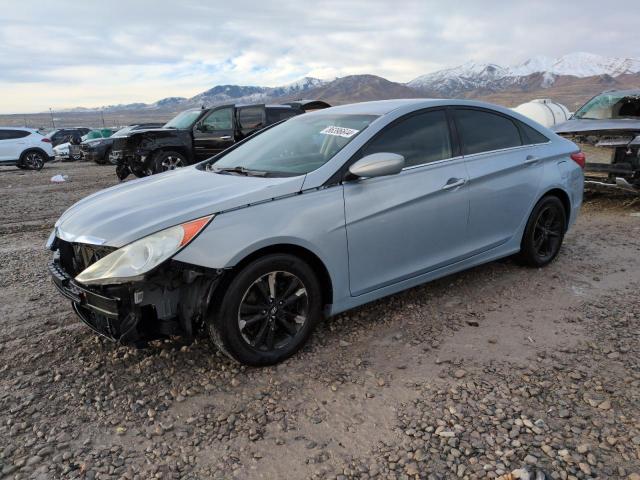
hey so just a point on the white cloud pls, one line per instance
(68, 53)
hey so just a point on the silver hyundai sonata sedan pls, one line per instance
(314, 216)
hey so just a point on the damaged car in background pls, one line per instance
(197, 134)
(313, 216)
(607, 128)
(99, 149)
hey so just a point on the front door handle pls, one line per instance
(453, 183)
(225, 137)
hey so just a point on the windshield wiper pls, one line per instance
(247, 172)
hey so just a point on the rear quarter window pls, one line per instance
(530, 136)
(278, 114)
(483, 131)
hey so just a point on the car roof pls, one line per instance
(377, 107)
(28, 129)
(633, 91)
(383, 107)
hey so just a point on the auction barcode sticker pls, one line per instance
(339, 131)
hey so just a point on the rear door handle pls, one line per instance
(531, 160)
(453, 183)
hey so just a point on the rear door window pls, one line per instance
(483, 131)
(251, 117)
(278, 114)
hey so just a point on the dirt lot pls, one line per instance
(471, 376)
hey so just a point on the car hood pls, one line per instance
(129, 211)
(94, 141)
(583, 125)
(154, 130)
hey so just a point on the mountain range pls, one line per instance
(570, 79)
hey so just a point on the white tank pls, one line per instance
(544, 111)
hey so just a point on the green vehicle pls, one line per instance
(75, 152)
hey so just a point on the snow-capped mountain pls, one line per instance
(221, 94)
(579, 64)
(491, 77)
(464, 77)
(236, 93)
(299, 86)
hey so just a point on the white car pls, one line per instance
(24, 148)
(61, 152)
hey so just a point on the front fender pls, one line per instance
(313, 220)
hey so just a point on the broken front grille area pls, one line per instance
(75, 257)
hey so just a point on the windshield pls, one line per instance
(183, 120)
(296, 146)
(609, 106)
(93, 134)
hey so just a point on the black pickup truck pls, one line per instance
(197, 134)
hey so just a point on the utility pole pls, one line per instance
(53, 122)
(102, 115)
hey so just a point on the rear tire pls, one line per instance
(168, 160)
(544, 232)
(268, 311)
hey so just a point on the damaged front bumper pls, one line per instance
(130, 162)
(173, 300)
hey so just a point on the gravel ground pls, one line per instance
(471, 376)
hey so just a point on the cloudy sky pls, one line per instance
(67, 53)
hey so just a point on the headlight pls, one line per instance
(132, 261)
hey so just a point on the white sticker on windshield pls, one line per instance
(339, 131)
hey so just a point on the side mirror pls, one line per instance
(378, 165)
(200, 127)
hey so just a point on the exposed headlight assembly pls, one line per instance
(132, 261)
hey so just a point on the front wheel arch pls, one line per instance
(303, 253)
(45, 155)
(34, 149)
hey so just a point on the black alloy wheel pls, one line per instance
(544, 233)
(273, 310)
(33, 160)
(268, 310)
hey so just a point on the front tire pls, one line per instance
(32, 160)
(544, 232)
(268, 311)
(168, 160)
(105, 159)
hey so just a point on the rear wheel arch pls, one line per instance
(564, 198)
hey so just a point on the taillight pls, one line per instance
(46, 140)
(580, 158)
